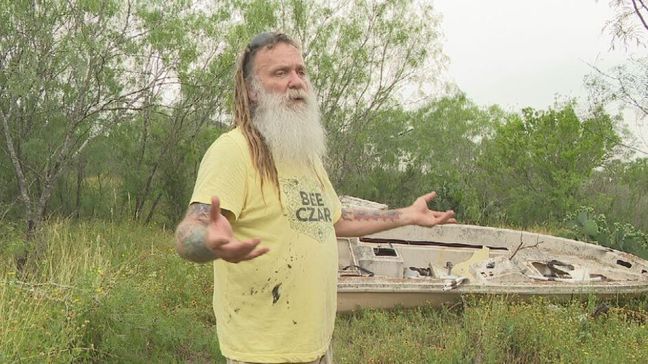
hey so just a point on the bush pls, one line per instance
(585, 225)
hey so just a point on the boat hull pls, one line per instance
(415, 266)
(353, 295)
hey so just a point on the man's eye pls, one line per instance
(280, 73)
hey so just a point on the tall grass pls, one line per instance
(117, 293)
(108, 293)
(495, 330)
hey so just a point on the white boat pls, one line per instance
(412, 265)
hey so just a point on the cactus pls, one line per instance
(585, 225)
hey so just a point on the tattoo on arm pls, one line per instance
(199, 211)
(369, 215)
(191, 234)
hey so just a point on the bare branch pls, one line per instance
(638, 12)
(15, 160)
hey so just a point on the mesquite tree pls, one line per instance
(69, 72)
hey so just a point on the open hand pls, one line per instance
(421, 215)
(220, 238)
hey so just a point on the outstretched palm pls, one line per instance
(220, 238)
(423, 216)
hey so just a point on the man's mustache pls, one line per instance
(298, 94)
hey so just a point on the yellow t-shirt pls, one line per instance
(279, 307)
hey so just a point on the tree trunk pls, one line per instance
(149, 217)
(80, 170)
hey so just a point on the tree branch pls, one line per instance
(636, 8)
(15, 160)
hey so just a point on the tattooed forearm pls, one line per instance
(359, 214)
(199, 211)
(190, 243)
(190, 235)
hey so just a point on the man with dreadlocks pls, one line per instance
(263, 198)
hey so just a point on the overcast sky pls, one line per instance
(519, 53)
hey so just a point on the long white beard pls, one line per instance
(291, 129)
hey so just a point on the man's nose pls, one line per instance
(296, 82)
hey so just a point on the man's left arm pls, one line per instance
(358, 222)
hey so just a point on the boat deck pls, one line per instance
(412, 265)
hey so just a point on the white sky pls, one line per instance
(519, 53)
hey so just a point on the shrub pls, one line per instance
(584, 224)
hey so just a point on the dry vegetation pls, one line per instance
(118, 293)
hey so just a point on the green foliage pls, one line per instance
(106, 293)
(433, 148)
(446, 143)
(493, 330)
(90, 147)
(154, 182)
(584, 224)
(619, 191)
(360, 57)
(157, 89)
(11, 243)
(70, 72)
(534, 165)
(159, 133)
(118, 293)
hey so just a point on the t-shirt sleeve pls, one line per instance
(222, 173)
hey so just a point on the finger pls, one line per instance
(237, 250)
(445, 218)
(437, 213)
(256, 253)
(428, 197)
(214, 213)
(440, 213)
(251, 243)
(216, 241)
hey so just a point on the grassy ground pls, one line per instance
(118, 293)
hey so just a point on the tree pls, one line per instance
(126, 95)
(630, 23)
(619, 191)
(536, 162)
(626, 84)
(362, 56)
(161, 147)
(435, 147)
(446, 143)
(69, 72)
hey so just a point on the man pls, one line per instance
(263, 198)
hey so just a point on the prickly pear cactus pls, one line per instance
(585, 225)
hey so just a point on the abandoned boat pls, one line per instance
(412, 265)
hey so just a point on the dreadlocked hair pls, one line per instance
(259, 151)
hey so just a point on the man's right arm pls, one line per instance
(205, 235)
(191, 234)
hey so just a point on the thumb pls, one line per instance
(214, 212)
(428, 197)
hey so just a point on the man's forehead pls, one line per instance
(280, 53)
